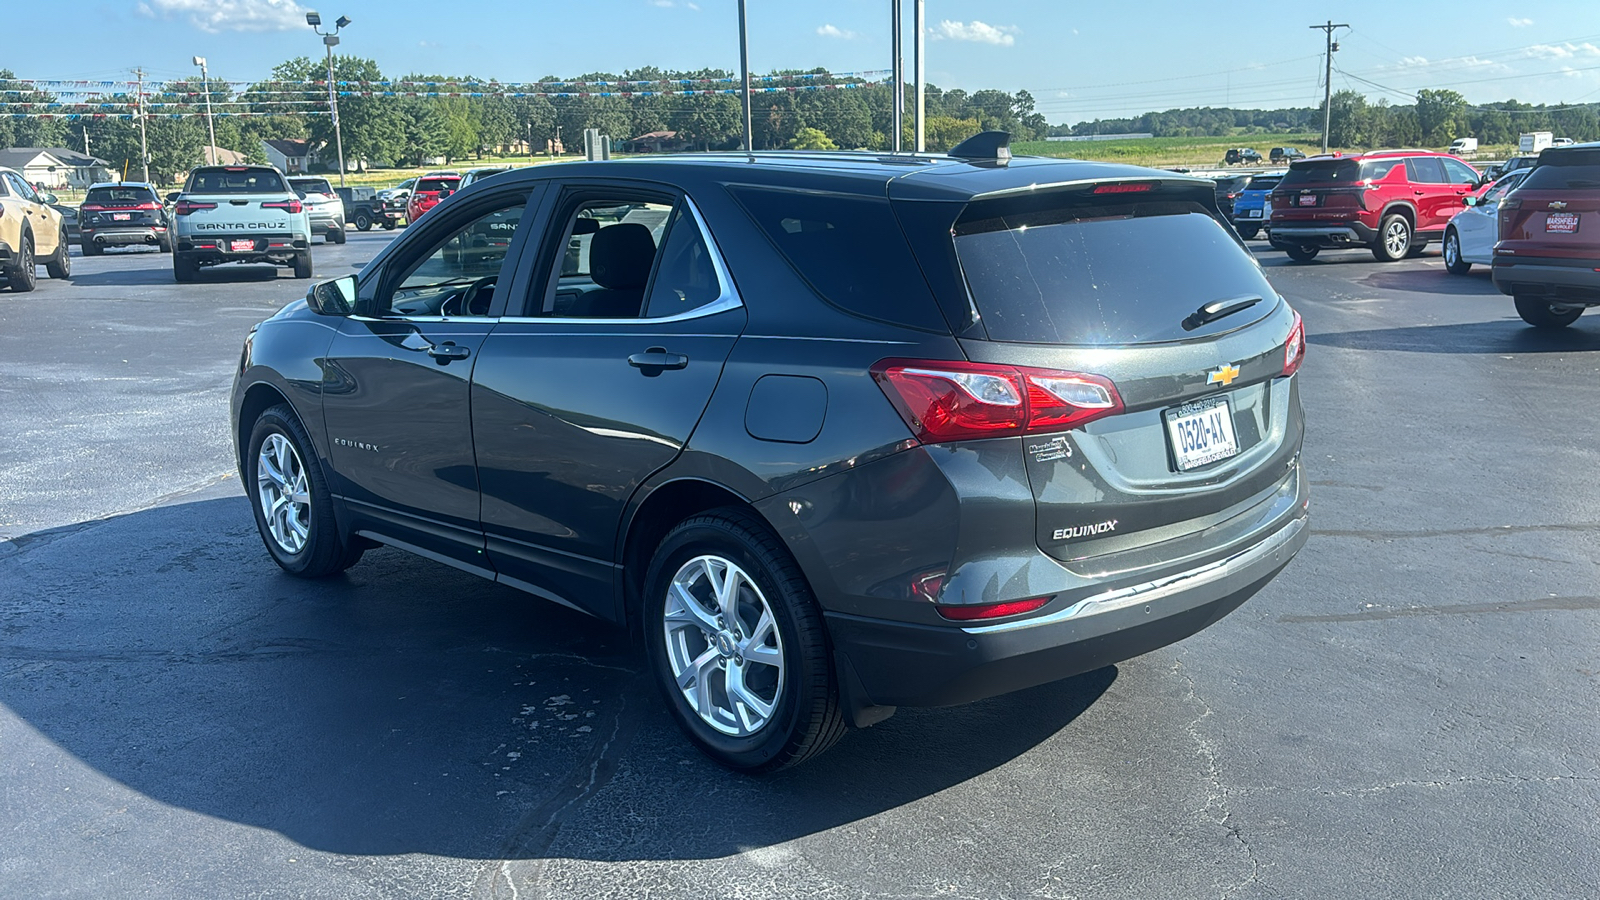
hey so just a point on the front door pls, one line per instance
(597, 385)
(397, 380)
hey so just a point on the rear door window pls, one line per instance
(1426, 170)
(1113, 274)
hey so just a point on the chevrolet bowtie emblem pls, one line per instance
(1557, 204)
(1224, 375)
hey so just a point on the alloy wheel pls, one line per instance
(1397, 239)
(723, 645)
(284, 494)
(1452, 250)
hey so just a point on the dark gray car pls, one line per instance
(830, 433)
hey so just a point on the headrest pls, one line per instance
(620, 256)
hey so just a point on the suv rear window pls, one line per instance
(1564, 178)
(437, 184)
(118, 196)
(236, 181)
(1338, 171)
(849, 248)
(312, 185)
(1112, 274)
(1264, 183)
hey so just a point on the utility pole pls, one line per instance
(205, 85)
(144, 144)
(330, 40)
(744, 68)
(896, 76)
(1327, 79)
(922, 78)
(86, 140)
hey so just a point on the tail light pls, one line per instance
(90, 208)
(992, 610)
(292, 206)
(185, 207)
(942, 400)
(1294, 349)
(152, 207)
(1511, 203)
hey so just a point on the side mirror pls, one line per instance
(173, 197)
(50, 199)
(333, 298)
(1469, 201)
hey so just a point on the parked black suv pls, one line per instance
(831, 433)
(121, 215)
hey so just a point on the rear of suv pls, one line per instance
(122, 215)
(1548, 255)
(324, 208)
(1392, 202)
(430, 189)
(1248, 207)
(245, 214)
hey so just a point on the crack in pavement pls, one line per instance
(1489, 531)
(1217, 797)
(1536, 604)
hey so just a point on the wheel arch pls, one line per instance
(258, 398)
(1403, 207)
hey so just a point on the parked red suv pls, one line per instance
(1548, 257)
(1392, 202)
(430, 189)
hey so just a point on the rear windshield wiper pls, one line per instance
(1216, 309)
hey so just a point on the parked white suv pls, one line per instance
(323, 206)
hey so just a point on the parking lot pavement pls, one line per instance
(1408, 711)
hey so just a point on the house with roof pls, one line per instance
(656, 142)
(57, 167)
(224, 156)
(290, 157)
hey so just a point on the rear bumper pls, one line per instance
(1578, 281)
(325, 224)
(1343, 234)
(277, 248)
(885, 663)
(122, 235)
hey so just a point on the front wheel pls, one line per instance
(736, 643)
(1249, 232)
(291, 500)
(59, 265)
(1302, 252)
(363, 221)
(1394, 238)
(1541, 313)
(1453, 263)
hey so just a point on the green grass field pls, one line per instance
(1165, 152)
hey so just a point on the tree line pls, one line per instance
(404, 130)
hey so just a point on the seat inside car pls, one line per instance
(619, 262)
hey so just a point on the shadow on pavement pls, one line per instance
(1508, 335)
(161, 273)
(408, 708)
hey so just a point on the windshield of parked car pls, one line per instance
(312, 185)
(236, 181)
(1322, 171)
(1119, 273)
(437, 184)
(118, 196)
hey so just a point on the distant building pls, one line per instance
(290, 157)
(57, 167)
(656, 142)
(224, 156)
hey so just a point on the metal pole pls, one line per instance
(744, 69)
(144, 144)
(333, 107)
(211, 130)
(922, 78)
(896, 76)
(1327, 81)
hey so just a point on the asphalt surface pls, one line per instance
(1412, 709)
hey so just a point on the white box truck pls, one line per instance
(1532, 142)
(1464, 147)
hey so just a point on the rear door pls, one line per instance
(1555, 213)
(598, 383)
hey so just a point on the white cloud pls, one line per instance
(230, 15)
(669, 4)
(1455, 63)
(1566, 50)
(1519, 23)
(834, 31)
(977, 32)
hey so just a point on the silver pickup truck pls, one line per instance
(238, 214)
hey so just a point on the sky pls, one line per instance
(1079, 60)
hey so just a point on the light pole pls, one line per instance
(922, 79)
(899, 73)
(211, 130)
(744, 70)
(330, 39)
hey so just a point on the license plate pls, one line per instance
(121, 217)
(1201, 433)
(1561, 223)
(241, 245)
(1308, 200)
(1252, 214)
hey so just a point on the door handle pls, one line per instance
(443, 353)
(1418, 193)
(656, 359)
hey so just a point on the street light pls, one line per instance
(330, 39)
(211, 130)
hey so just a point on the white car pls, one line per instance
(1471, 235)
(322, 205)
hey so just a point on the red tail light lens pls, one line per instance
(293, 206)
(1137, 188)
(149, 206)
(185, 207)
(992, 610)
(941, 400)
(88, 207)
(1294, 349)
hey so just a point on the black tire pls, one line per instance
(1302, 252)
(59, 265)
(1394, 238)
(90, 248)
(183, 268)
(324, 550)
(23, 277)
(1453, 263)
(805, 718)
(1540, 313)
(336, 236)
(363, 221)
(164, 243)
(302, 264)
(390, 225)
(1248, 232)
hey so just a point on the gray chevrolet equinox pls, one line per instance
(830, 433)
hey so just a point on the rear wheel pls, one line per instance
(1453, 263)
(737, 644)
(1541, 313)
(164, 243)
(390, 225)
(90, 248)
(363, 221)
(1249, 232)
(24, 276)
(183, 268)
(1302, 252)
(1394, 238)
(336, 235)
(302, 264)
(59, 265)
(291, 500)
